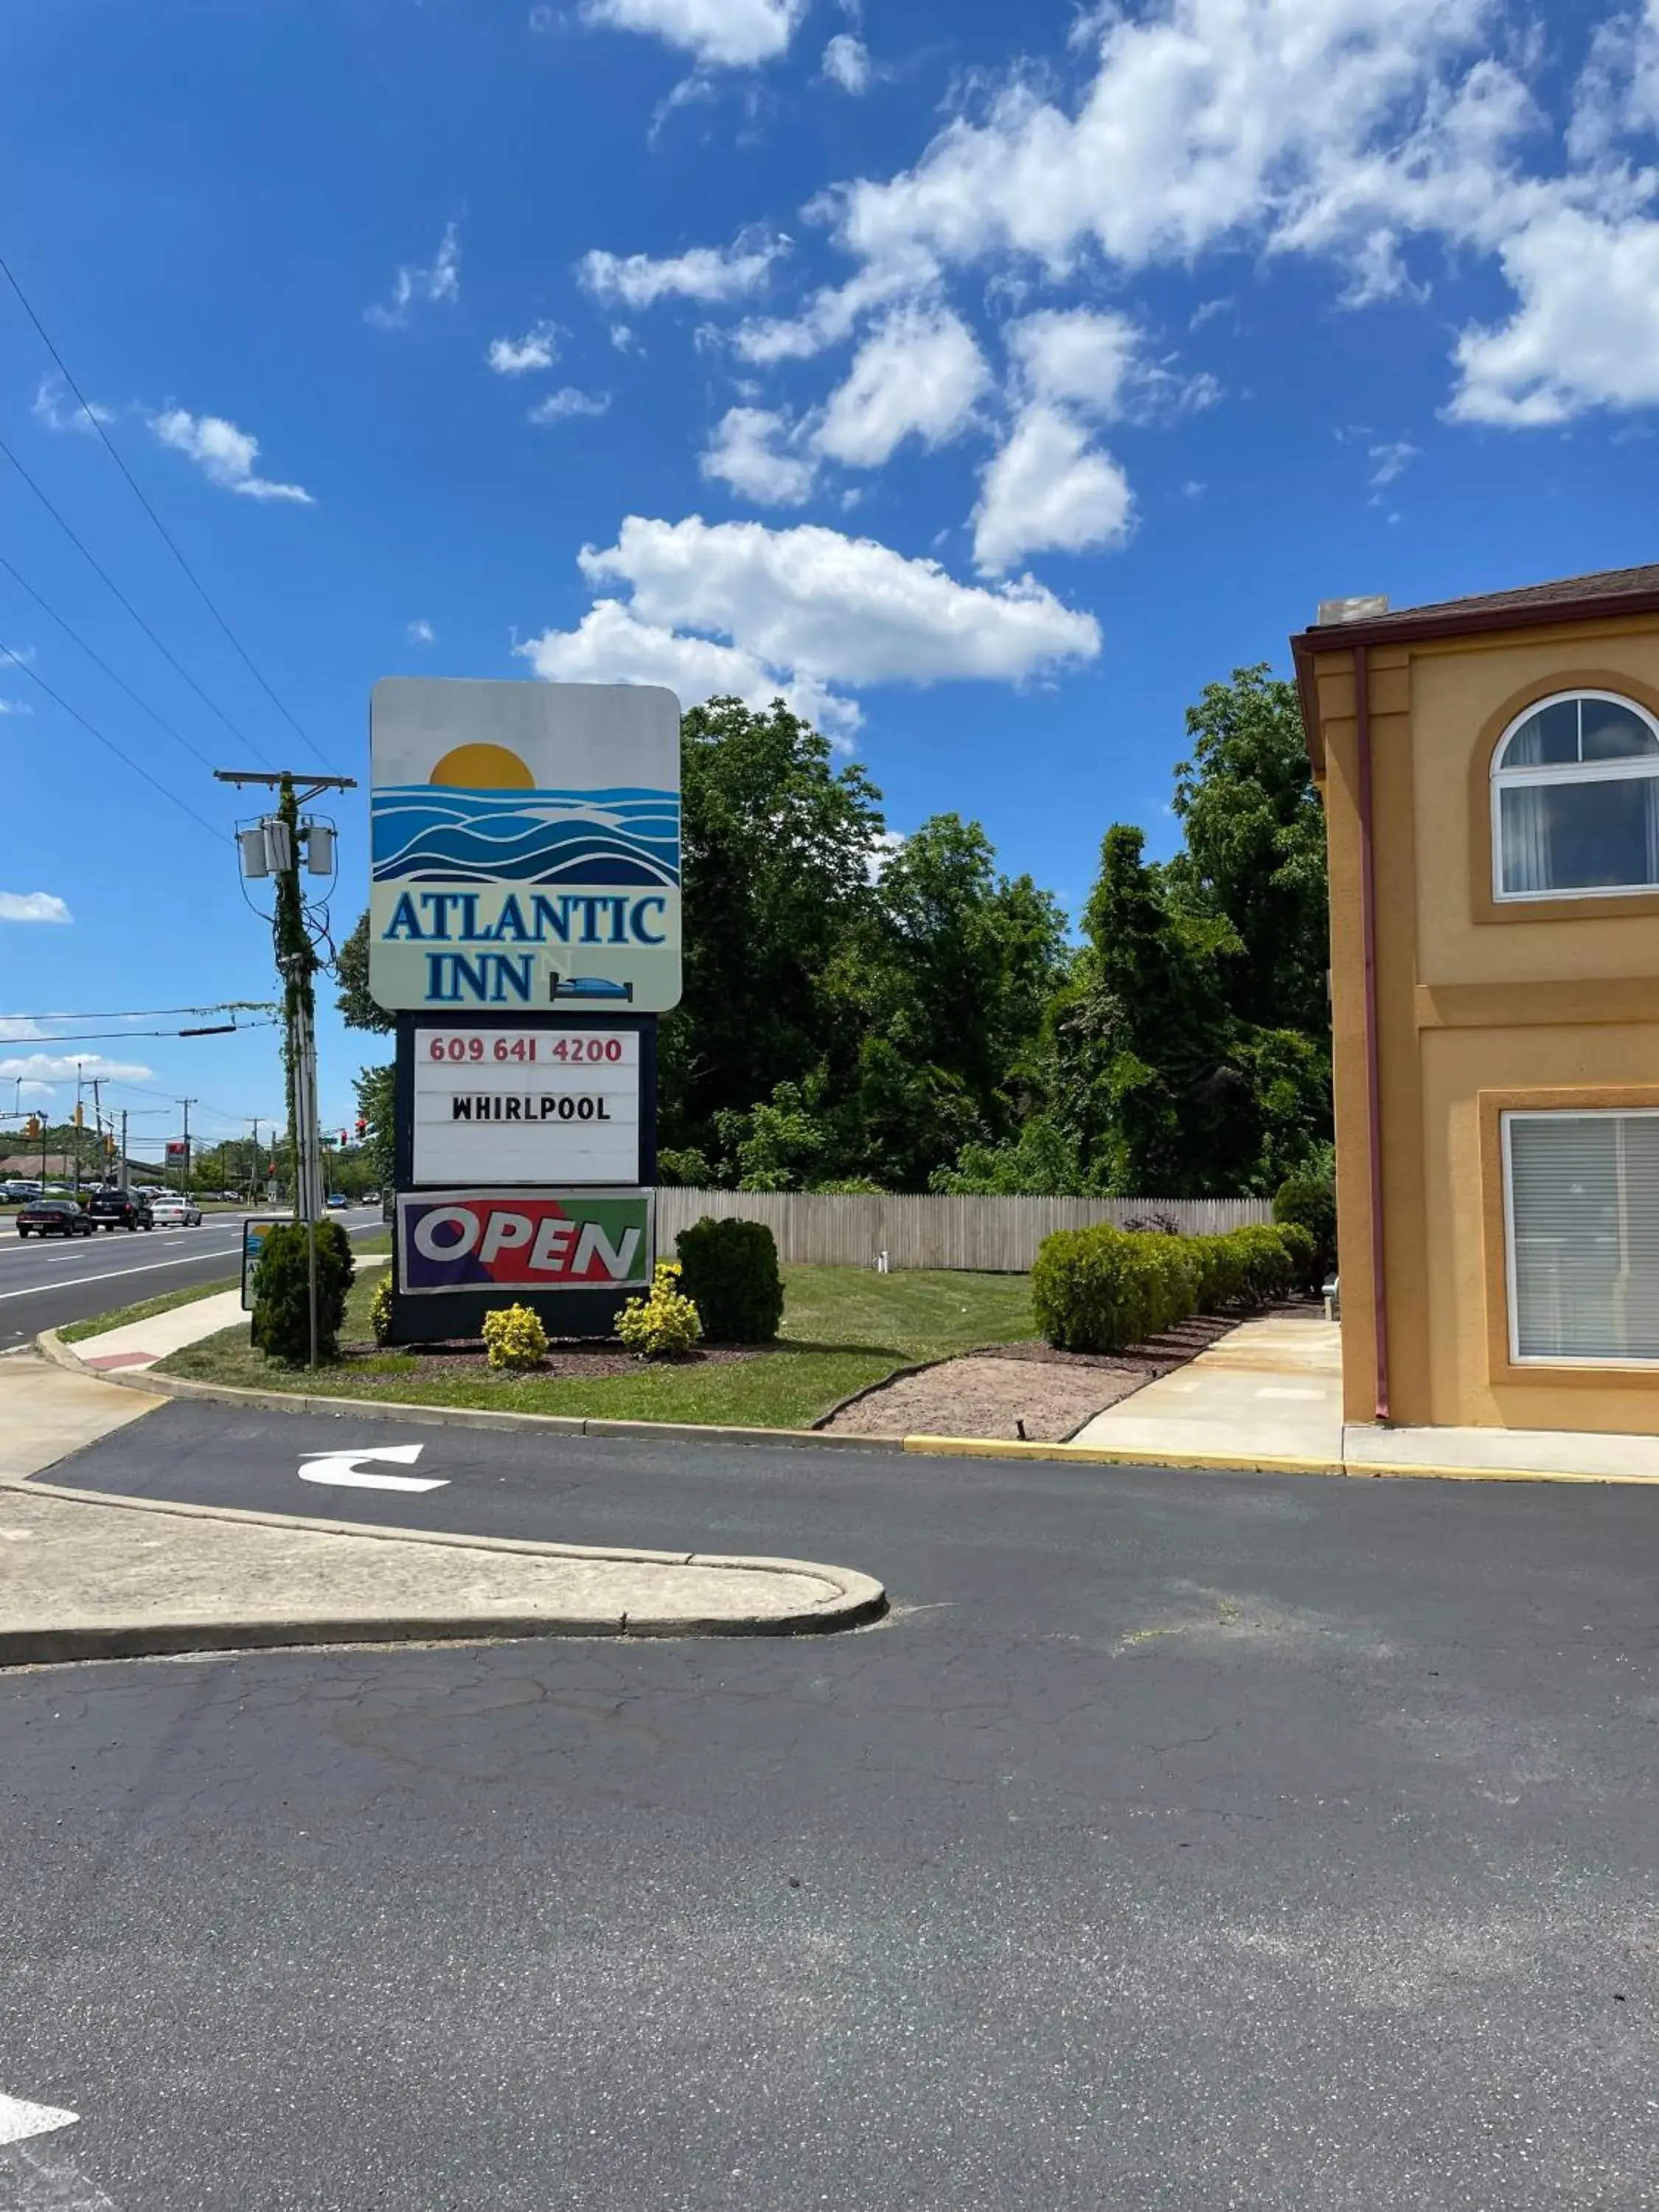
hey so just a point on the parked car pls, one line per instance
(175, 1213)
(120, 1209)
(54, 1217)
(18, 1191)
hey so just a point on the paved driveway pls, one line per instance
(1181, 1842)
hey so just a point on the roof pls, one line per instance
(1568, 598)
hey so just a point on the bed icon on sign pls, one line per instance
(587, 987)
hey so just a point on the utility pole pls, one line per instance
(253, 1164)
(272, 848)
(98, 1152)
(184, 1180)
(80, 1123)
(124, 1169)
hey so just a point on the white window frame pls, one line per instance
(1555, 772)
(1518, 1358)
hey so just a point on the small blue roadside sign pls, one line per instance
(254, 1233)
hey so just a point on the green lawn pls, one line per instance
(842, 1328)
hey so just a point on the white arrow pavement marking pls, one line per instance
(19, 2118)
(340, 1470)
(33, 2177)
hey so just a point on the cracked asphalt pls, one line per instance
(1182, 1841)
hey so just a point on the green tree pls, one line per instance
(1254, 847)
(776, 844)
(362, 1010)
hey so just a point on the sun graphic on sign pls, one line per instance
(484, 768)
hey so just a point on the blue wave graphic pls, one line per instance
(430, 833)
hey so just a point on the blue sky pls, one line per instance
(987, 380)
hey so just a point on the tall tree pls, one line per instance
(1255, 851)
(775, 868)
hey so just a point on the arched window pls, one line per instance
(1575, 799)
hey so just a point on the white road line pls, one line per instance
(340, 1471)
(45, 1290)
(19, 2118)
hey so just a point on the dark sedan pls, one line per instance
(54, 1217)
(120, 1209)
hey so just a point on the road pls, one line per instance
(45, 1282)
(1182, 1841)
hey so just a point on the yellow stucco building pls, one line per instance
(1491, 775)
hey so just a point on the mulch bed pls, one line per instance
(1025, 1391)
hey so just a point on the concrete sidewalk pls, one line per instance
(136, 1345)
(1268, 1392)
(1268, 1395)
(86, 1575)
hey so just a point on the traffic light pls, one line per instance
(79, 1116)
(342, 1137)
(363, 1128)
(34, 1127)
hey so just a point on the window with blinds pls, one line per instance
(1582, 1216)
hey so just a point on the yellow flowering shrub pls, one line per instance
(663, 1324)
(513, 1337)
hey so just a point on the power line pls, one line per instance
(109, 1036)
(92, 730)
(99, 569)
(167, 538)
(98, 661)
(150, 1013)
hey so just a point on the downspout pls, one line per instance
(1373, 1076)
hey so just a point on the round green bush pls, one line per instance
(729, 1271)
(282, 1324)
(1309, 1201)
(1299, 1242)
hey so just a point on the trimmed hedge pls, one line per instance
(1104, 1289)
(729, 1271)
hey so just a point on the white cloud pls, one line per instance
(32, 906)
(414, 286)
(538, 349)
(806, 612)
(720, 33)
(225, 455)
(715, 273)
(849, 610)
(1049, 489)
(888, 844)
(421, 632)
(1205, 119)
(57, 407)
(835, 311)
(918, 374)
(559, 406)
(15, 707)
(1077, 356)
(1586, 333)
(49, 1067)
(611, 645)
(750, 451)
(622, 338)
(17, 1029)
(847, 63)
(1393, 458)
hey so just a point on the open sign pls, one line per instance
(535, 1240)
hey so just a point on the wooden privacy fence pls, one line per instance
(999, 1235)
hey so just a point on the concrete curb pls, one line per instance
(851, 1600)
(169, 1386)
(1255, 1462)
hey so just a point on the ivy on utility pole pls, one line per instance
(272, 848)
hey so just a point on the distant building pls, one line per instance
(1491, 775)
